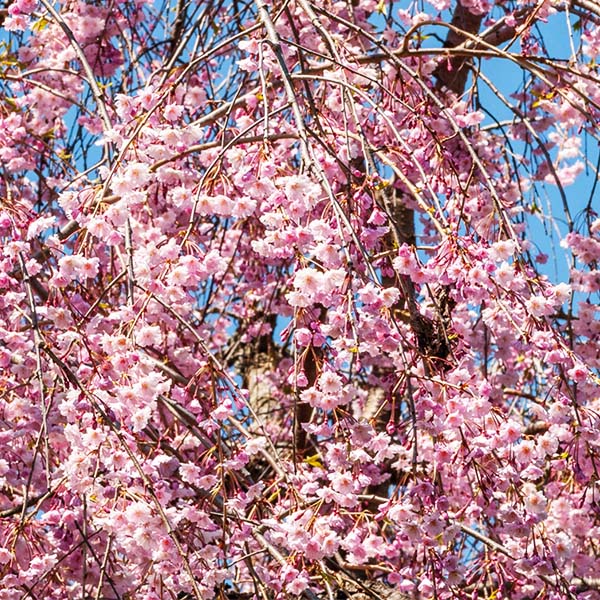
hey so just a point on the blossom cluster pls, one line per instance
(273, 316)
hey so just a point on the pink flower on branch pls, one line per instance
(275, 309)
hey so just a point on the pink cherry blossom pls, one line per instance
(299, 300)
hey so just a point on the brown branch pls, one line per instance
(589, 6)
(27, 503)
(454, 72)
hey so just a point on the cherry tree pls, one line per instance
(299, 299)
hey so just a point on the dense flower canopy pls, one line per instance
(277, 313)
